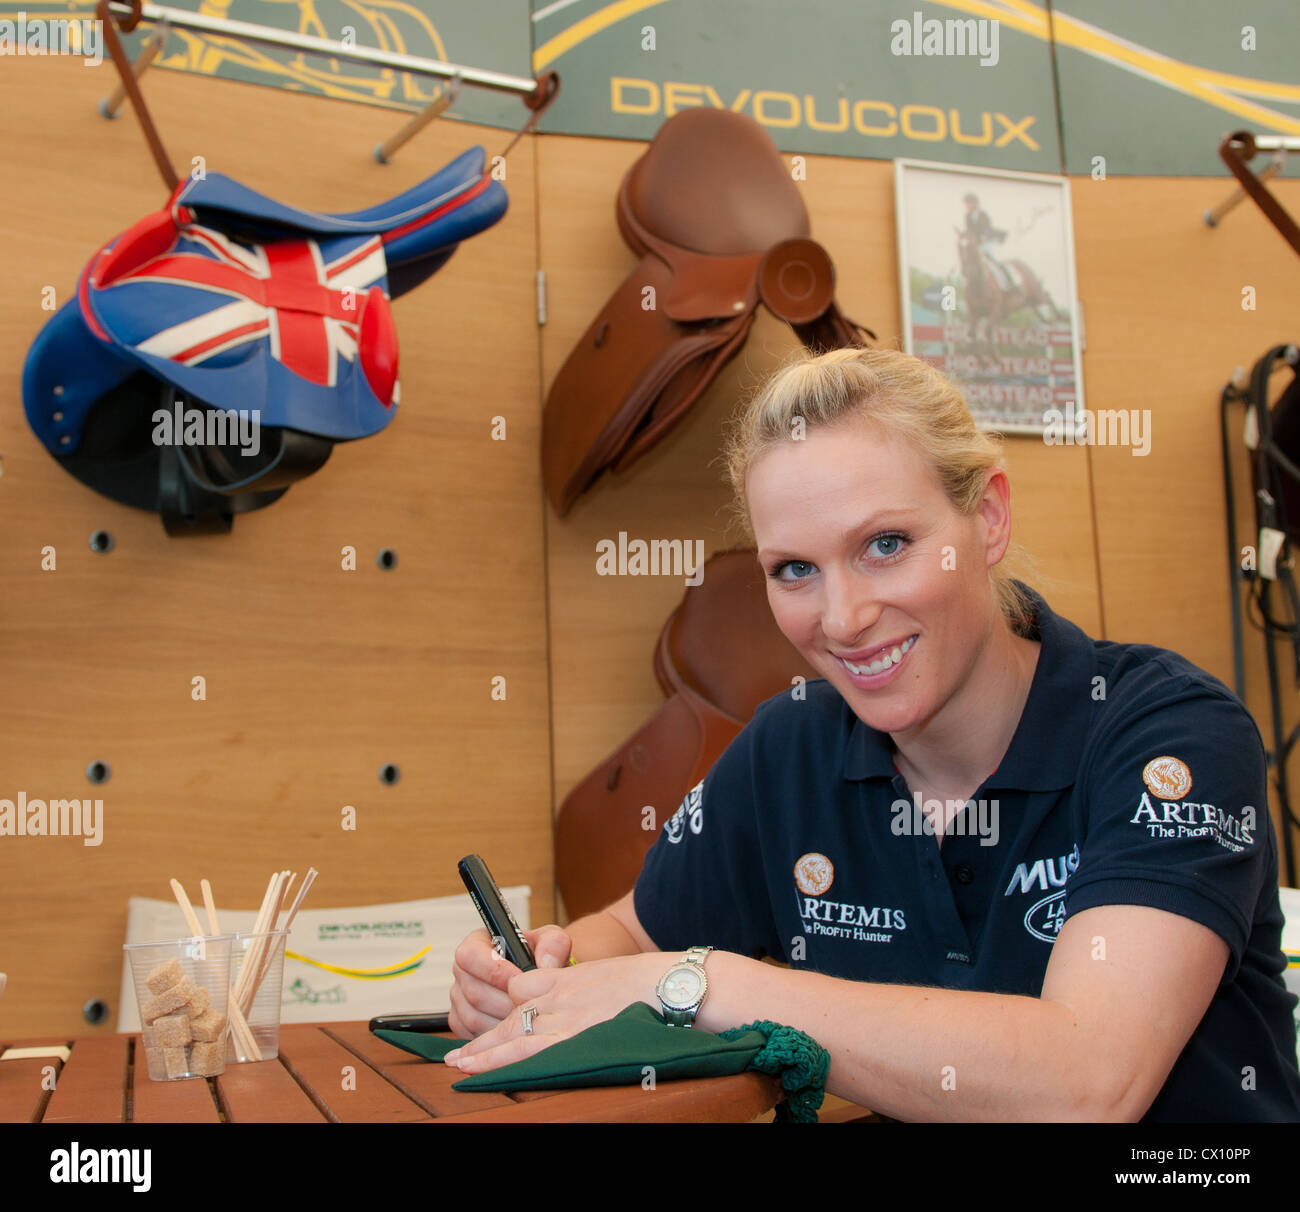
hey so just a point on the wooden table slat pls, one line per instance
(264, 1092)
(317, 1062)
(304, 1085)
(92, 1086)
(188, 1101)
(22, 1088)
(426, 1082)
(735, 1099)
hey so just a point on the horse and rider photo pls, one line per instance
(992, 303)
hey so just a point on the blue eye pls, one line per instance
(807, 570)
(894, 540)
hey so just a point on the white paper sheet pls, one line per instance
(1290, 898)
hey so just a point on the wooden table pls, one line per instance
(336, 1073)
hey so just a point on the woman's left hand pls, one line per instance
(568, 1001)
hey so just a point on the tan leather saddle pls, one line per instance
(719, 655)
(719, 225)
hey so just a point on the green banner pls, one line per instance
(1129, 87)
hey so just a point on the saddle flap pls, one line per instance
(670, 406)
(613, 376)
(724, 642)
(710, 288)
(600, 842)
(719, 656)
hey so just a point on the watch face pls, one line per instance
(682, 986)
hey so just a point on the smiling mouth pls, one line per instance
(883, 663)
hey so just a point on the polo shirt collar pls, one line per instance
(1045, 751)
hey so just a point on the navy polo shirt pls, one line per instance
(1133, 778)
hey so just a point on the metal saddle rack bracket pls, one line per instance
(537, 94)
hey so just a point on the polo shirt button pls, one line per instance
(964, 873)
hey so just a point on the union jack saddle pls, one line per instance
(226, 301)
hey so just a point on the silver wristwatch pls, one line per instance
(682, 989)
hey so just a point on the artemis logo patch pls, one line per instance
(1167, 777)
(691, 813)
(814, 873)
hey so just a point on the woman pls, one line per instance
(1015, 873)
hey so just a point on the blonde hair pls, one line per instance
(910, 399)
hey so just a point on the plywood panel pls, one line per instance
(315, 676)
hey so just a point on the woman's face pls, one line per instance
(862, 549)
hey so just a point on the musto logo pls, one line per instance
(1045, 917)
(813, 874)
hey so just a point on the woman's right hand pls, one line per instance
(479, 1000)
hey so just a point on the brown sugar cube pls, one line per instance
(209, 1026)
(165, 976)
(198, 1003)
(185, 987)
(172, 1030)
(208, 1059)
(167, 1002)
(175, 1060)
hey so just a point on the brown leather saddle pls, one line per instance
(719, 225)
(719, 655)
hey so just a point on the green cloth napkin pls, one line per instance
(615, 1052)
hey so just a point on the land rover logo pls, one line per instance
(1044, 918)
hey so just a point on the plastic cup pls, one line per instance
(206, 963)
(261, 953)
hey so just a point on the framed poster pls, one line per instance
(987, 265)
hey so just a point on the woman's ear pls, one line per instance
(995, 509)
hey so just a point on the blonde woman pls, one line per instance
(1014, 873)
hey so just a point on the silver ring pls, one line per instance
(528, 1013)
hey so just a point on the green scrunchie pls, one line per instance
(800, 1061)
(615, 1052)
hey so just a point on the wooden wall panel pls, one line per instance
(315, 676)
(1163, 300)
